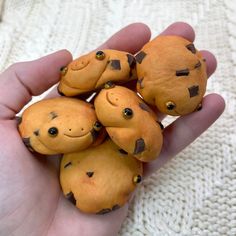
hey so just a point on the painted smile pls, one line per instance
(112, 103)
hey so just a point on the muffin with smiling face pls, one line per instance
(59, 125)
(130, 123)
(171, 75)
(100, 179)
(90, 72)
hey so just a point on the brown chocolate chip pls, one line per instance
(53, 115)
(191, 48)
(161, 125)
(36, 132)
(183, 72)
(59, 92)
(71, 198)
(115, 207)
(18, 120)
(204, 59)
(193, 91)
(27, 143)
(67, 164)
(197, 65)
(122, 151)
(139, 146)
(131, 61)
(115, 64)
(140, 56)
(140, 82)
(104, 211)
(94, 134)
(199, 107)
(90, 174)
(144, 107)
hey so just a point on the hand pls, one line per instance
(31, 199)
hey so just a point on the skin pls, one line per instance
(31, 200)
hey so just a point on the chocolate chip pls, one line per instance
(61, 93)
(18, 120)
(53, 114)
(198, 65)
(139, 146)
(191, 48)
(199, 107)
(94, 134)
(104, 211)
(161, 125)
(122, 151)
(115, 207)
(115, 64)
(140, 56)
(131, 61)
(90, 174)
(183, 72)
(139, 81)
(71, 198)
(36, 132)
(193, 91)
(67, 164)
(27, 143)
(144, 107)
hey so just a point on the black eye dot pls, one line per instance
(137, 179)
(63, 70)
(170, 105)
(53, 131)
(127, 113)
(100, 55)
(97, 126)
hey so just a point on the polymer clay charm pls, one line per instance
(129, 122)
(90, 72)
(59, 125)
(100, 179)
(171, 75)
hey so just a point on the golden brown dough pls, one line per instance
(59, 125)
(100, 179)
(92, 71)
(130, 123)
(171, 75)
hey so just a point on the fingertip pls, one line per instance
(181, 29)
(211, 62)
(130, 39)
(214, 103)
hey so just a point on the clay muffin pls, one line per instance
(171, 75)
(100, 179)
(59, 125)
(90, 72)
(130, 123)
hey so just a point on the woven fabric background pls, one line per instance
(195, 193)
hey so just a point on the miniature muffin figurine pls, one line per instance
(100, 179)
(90, 72)
(59, 125)
(130, 123)
(171, 75)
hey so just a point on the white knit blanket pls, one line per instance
(194, 194)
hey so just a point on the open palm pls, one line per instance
(31, 200)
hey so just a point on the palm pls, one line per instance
(31, 199)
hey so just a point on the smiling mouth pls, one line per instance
(70, 136)
(112, 103)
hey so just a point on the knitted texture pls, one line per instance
(195, 193)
